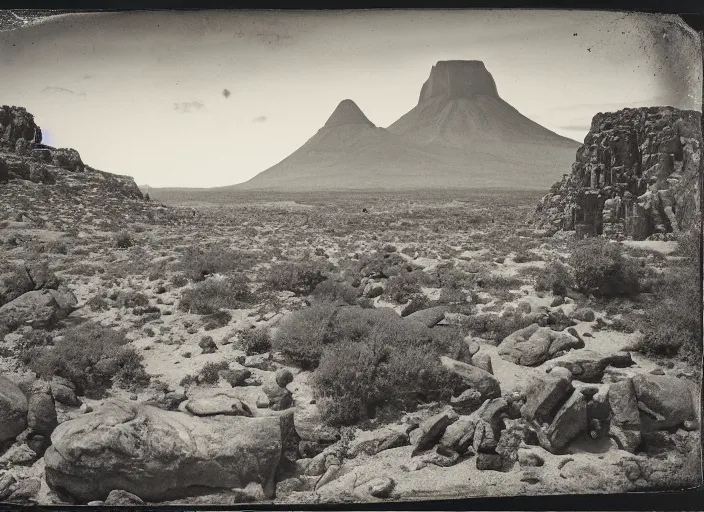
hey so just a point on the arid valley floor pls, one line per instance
(343, 309)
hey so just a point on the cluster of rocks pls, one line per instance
(636, 175)
(31, 295)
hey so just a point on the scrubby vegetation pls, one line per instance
(212, 295)
(672, 323)
(256, 341)
(601, 269)
(365, 358)
(299, 277)
(91, 356)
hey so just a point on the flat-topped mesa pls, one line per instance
(458, 79)
(347, 112)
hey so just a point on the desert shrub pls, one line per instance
(301, 336)
(56, 247)
(524, 256)
(383, 264)
(123, 240)
(93, 357)
(555, 277)
(256, 341)
(404, 286)
(131, 299)
(334, 291)
(601, 269)
(671, 324)
(97, 302)
(211, 296)
(384, 369)
(198, 263)
(209, 374)
(216, 320)
(299, 277)
(179, 280)
(452, 296)
(497, 327)
(499, 282)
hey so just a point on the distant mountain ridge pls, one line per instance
(461, 134)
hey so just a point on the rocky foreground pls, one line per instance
(218, 354)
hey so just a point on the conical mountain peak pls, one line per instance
(458, 79)
(347, 112)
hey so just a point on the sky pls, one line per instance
(211, 98)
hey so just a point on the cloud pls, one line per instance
(260, 119)
(62, 90)
(186, 106)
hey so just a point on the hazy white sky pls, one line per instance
(141, 93)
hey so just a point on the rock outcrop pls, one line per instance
(160, 455)
(636, 175)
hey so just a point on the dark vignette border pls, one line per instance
(691, 11)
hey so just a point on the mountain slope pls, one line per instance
(460, 135)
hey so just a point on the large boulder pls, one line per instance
(625, 425)
(39, 308)
(570, 421)
(41, 413)
(544, 395)
(533, 345)
(160, 455)
(478, 385)
(669, 399)
(13, 404)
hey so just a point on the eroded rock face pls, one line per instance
(534, 345)
(160, 455)
(15, 124)
(637, 175)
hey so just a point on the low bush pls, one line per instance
(210, 373)
(554, 277)
(123, 240)
(389, 367)
(334, 291)
(198, 263)
(406, 285)
(601, 269)
(93, 357)
(299, 277)
(671, 324)
(211, 296)
(256, 341)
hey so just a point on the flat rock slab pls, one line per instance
(216, 403)
(587, 365)
(429, 317)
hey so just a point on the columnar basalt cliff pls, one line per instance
(637, 175)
